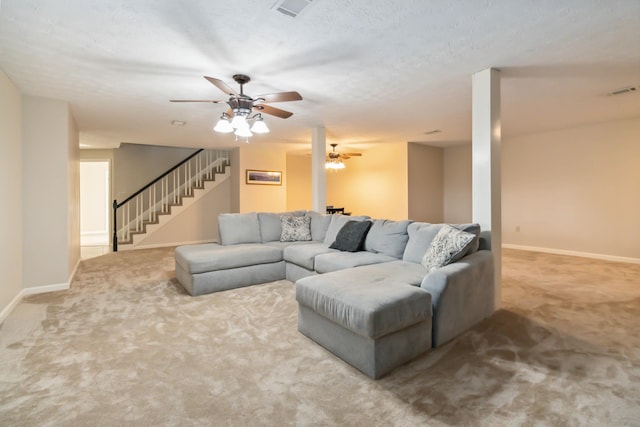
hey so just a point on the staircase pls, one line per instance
(166, 197)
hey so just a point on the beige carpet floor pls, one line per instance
(127, 346)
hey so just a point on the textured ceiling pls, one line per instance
(369, 71)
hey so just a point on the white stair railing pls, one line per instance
(157, 197)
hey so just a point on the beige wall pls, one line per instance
(47, 199)
(11, 191)
(266, 198)
(136, 165)
(73, 194)
(457, 184)
(425, 183)
(198, 223)
(235, 180)
(575, 189)
(299, 182)
(374, 184)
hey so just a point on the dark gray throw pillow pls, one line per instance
(351, 236)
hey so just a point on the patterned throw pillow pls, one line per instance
(449, 245)
(295, 228)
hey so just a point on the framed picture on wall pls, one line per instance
(259, 177)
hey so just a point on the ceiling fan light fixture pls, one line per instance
(239, 122)
(259, 126)
(334, 164)
(223, 125)
(243, 132)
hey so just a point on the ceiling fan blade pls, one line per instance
(221, 85)
(279, 97)
(267, 109)
(352, 154)
(196, 100)
(344, 156)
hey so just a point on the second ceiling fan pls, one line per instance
(334, 159)
(335, 155)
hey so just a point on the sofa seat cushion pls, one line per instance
(366, 305)
(333, 261)
(283, 245)
(401, 272)
(212, 257)
(304, 255)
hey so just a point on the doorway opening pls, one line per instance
(95, 194)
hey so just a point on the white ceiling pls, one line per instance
(369, 70)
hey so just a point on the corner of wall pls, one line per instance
(11, 183)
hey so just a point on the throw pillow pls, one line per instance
(295, 228)
(421, 234)
(351, 236)
(449, 245)
(336, 223)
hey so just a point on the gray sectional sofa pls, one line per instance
(375, 308)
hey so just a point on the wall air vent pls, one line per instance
(622, 90)
(291, 8)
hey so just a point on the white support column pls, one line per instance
(318, 177)
(486, 141)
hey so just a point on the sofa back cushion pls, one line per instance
(337, 222)
(319, 225)
(235, 228)
(421, 234)
(270, 225)
(387, 237)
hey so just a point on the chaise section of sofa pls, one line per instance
(333, 307)
(371, 324)
(250, 252)
(203, 269)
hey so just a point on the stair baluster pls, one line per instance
(172, 186)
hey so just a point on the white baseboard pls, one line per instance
(9, 308)
(33, 291)
(604, 257)
(45, 288)
(95, 233)
(165, 245)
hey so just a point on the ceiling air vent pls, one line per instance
(291, 8)
(622, 90)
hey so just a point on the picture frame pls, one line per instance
(262, 177)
